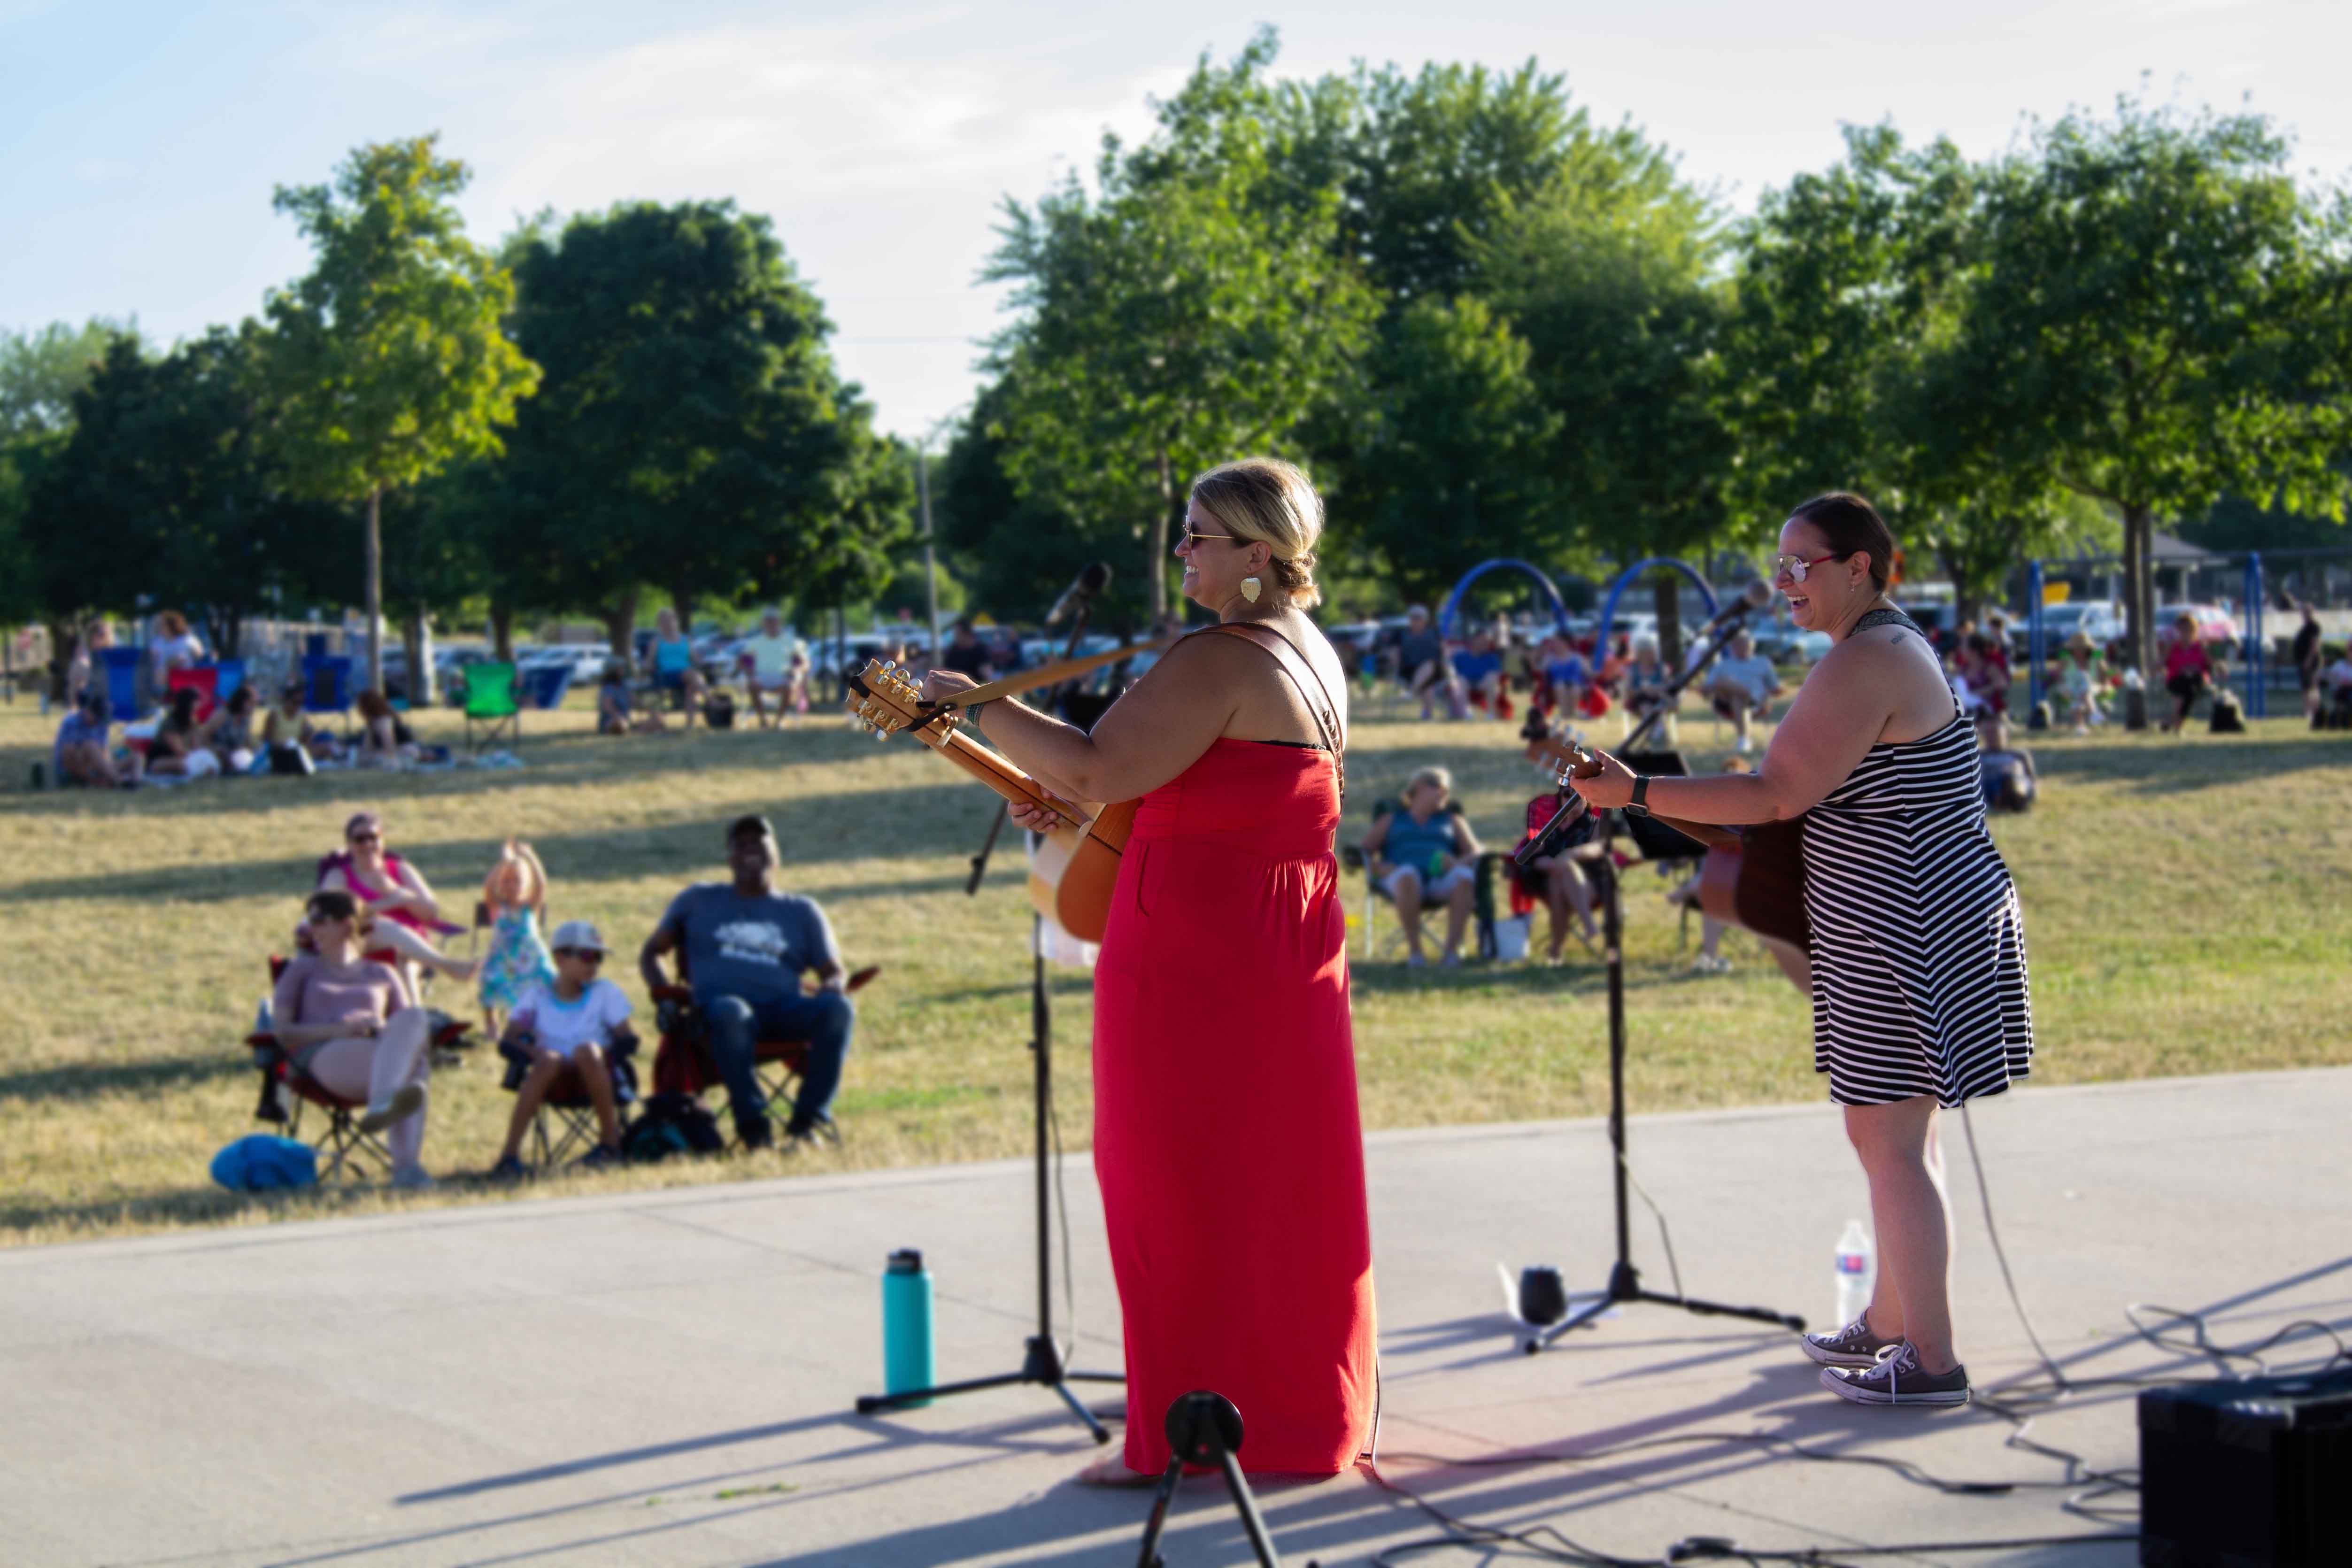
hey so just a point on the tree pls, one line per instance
(691, 432)
(2167, 318)
(1186, 312)
(1453, 461)
(169, 481)
(391, 356)
(41, 371)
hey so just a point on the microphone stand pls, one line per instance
(1041, 1361)
(1625, 1280)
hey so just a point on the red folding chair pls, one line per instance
(204, 680)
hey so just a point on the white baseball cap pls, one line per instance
(581, 934)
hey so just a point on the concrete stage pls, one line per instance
(667, 1378)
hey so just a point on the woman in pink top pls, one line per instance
(398, 912)
(2188, 667)
(354, 1025)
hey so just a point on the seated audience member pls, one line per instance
(1422, 852)
(1479, 668)
(1742, 686)
(282, 730)
(177, 749)
(354, 1025)
(1565, 675)
(2187, 671)
(967, 655)
(229, 732)
(2005, 770)
(2335, 710)
(745, 946)
(614, 716)
(567, 1025)
(397, 909)
(768, 658)
(1558, 879)
(1647, 679)
(1425, 669)
(81, 756)
(2080, 685)
(673, 666)
(385, 741)
(1987, 672)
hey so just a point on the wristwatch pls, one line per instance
(1639, 805)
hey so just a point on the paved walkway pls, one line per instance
(667, 1377)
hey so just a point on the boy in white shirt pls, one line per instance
(567, 1026)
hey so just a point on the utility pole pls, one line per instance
(931, 556)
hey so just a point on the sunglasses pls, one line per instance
(321, 918)
(366, 838)
(1190, 536)
(584, 954)
(1794, 567)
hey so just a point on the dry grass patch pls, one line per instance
(2185, 906)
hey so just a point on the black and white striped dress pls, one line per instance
(1918, 949)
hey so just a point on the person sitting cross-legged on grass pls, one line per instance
(745, 947)
(612, 715)
(567, 1025)
(81, 756)
(1426, 852)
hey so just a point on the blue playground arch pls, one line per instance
(1617, 589)
(1453, 600)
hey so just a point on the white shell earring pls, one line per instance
(1250, 588)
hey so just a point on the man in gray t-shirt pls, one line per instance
(743, 947)
(1743, 684)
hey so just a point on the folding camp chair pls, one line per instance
(490, 704)
(567, 1120)
(123, 667)
(683, 1063)
(286, 1091)
(545, 684)
(1354, 858)
(203, 679)
(327, 684)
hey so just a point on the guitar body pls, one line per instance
(1082, 894)
(1758, 883)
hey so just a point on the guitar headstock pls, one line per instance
(1563, 756)
(886, 698)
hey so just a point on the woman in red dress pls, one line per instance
(1226, 1135)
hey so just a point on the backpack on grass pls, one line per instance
(671, 1124)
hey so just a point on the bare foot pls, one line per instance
(1112, 1471)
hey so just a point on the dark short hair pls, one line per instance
(1852, 524)
(93, 703)
(334, 903)
(754, 826)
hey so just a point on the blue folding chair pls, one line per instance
(122, 682)
(545, 684)
(327, 683)
(229, 675)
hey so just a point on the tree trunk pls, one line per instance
(621, 625)
(1160, 603)
(1666, 598)
(2139, 577)
(417, 638)
(65, 637)
(502, 632)
(374, 593)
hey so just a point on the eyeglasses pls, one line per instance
(321, 918)
(1794, 567)
(1190, 536)
(587, 956)
(366, 838)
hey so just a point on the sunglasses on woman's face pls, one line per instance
(584, 954)
(367, 838)
(1190, 537)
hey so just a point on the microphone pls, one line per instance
(1085, 587)
(1753, 597)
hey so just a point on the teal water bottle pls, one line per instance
(906, 1324)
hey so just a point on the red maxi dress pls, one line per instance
(1227, 1134)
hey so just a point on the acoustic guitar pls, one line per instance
(1752, 877)
(1075, 866)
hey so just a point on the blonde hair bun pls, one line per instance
(1272, 502)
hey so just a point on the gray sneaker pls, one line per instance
(1853, 1345)
(412, 1179)
(1899, 1380)
(406, 1102)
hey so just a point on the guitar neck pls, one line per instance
(995, 772)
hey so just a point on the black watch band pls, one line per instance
(1640, 804)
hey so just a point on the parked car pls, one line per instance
(2101, 620)
(587, 659)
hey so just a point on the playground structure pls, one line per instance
(1546, 591)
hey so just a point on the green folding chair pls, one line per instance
(490, 704)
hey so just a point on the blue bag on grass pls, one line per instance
(263, 1161)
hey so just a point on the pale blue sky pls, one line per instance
(139, 142)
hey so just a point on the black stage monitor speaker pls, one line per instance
(2252, 1473)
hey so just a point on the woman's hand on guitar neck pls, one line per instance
(938, 685)
(1612, 786)
(1036, 818)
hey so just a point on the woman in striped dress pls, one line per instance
(1919, 952)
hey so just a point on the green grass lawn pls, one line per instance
(2189, 908)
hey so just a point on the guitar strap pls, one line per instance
(1286, 655)
(1052, 674)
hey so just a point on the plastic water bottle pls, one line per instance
(263, 1022)
(1856, 1273)
(906, 1324)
